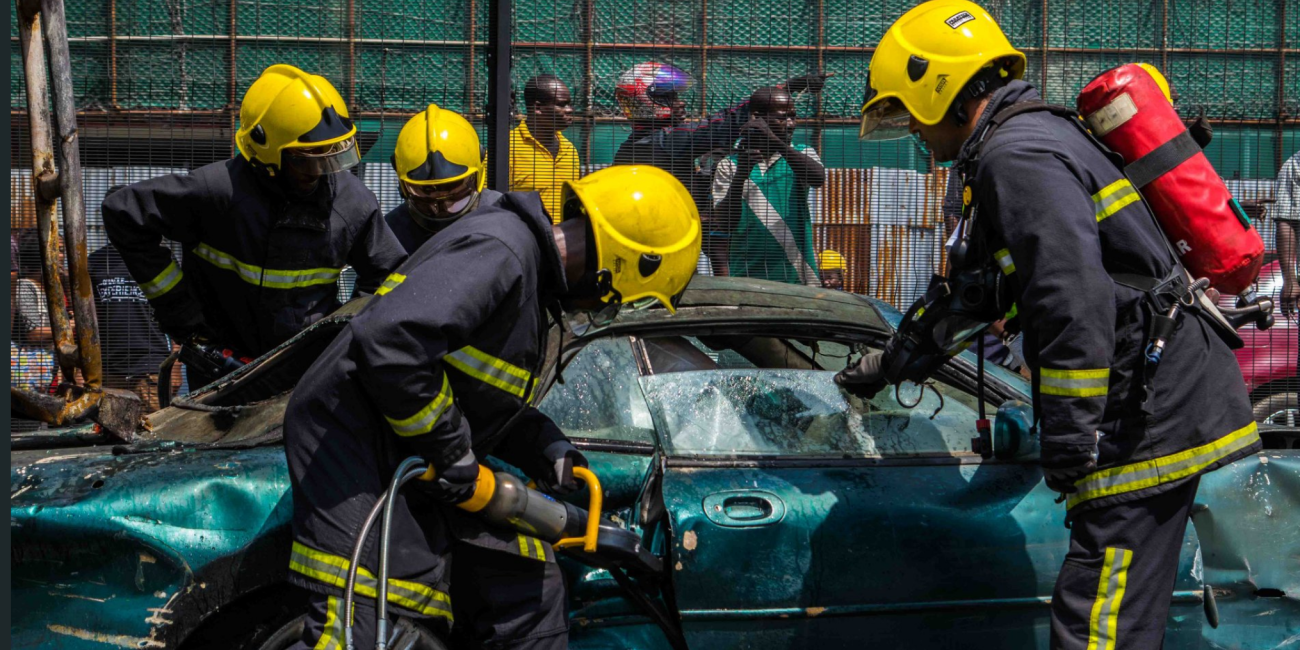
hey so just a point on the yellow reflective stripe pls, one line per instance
(1113, 198)
(1004, 260)
(1104, 621)
(1149, 473)
(390, 283)
(490, 370)
(333, 570)
(536, 550)
(424, 419)
(1093, 382)
(270, 278)
(330, 638)
(163, 282)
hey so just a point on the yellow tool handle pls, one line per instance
(485, 487)
(588, 541)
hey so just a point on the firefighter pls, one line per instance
(441, 173)
(1077, 246)
(264, 234)
(444, 364)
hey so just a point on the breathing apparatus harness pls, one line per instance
(1164, 297)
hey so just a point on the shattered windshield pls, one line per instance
(803, 413)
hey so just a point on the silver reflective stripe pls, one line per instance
(333, 570)
(1149, 473)
(490, 370)
(164, 281)
(1103, 624)
(1114, 197)
(777, 227)
(424, 419)
(1004, 261)
(271, 278)
(331, 637)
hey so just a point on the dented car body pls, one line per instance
(785, 512)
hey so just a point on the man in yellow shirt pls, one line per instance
(541, 158)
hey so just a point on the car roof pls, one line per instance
(710, 299)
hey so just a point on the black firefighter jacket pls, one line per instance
(258, 266)
(446, 353)
(1061, 218)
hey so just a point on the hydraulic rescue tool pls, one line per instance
(505, 500)
(207, 358)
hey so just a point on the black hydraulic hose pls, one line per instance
(676, 639)
(410, 469)
(350, 591)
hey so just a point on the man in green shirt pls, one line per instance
(760, 195)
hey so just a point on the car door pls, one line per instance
(802, 517)
(597, 401)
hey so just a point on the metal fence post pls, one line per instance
(498, 103)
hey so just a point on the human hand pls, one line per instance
(561, 457)
(864, 379)
(813, 83)
(1063, 466)
(455, 483)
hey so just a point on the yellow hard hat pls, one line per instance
(287, 109)
(833, 261)
(1160, 80)
(437, 147)
(646, 231)
(925, 60)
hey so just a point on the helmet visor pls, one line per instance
(327, 159)
(887, 119)
(443, 200)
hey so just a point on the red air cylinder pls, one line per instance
(1128, 112)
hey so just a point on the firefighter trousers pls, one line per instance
(500, 601)
(1118, 578)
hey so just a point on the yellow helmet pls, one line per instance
(833, 261)
(287, 110)
(1159, 79)
(646, 231)
(438, 147)
(926, 59)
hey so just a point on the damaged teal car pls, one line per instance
(749, 502)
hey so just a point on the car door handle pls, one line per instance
(744, 508)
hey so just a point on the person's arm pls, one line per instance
(136, 219)
(33, 313)
(1047, 219)
(726, 212)
(807, 166)
(401, 340)
(375, 253)
(694, 139)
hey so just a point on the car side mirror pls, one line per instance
(1014, 434)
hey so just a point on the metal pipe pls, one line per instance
(573, 45)
(36, 71)
(74, 210)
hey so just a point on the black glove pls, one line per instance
(1062, 466)
(561, 457)
(866, 378)
(454, 484)
(812, 83)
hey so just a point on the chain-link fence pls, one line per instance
(159, 86)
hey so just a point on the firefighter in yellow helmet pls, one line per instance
(441, 173)
(264, 234)
(444, 364)
(833, 268)
(1126, 427)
